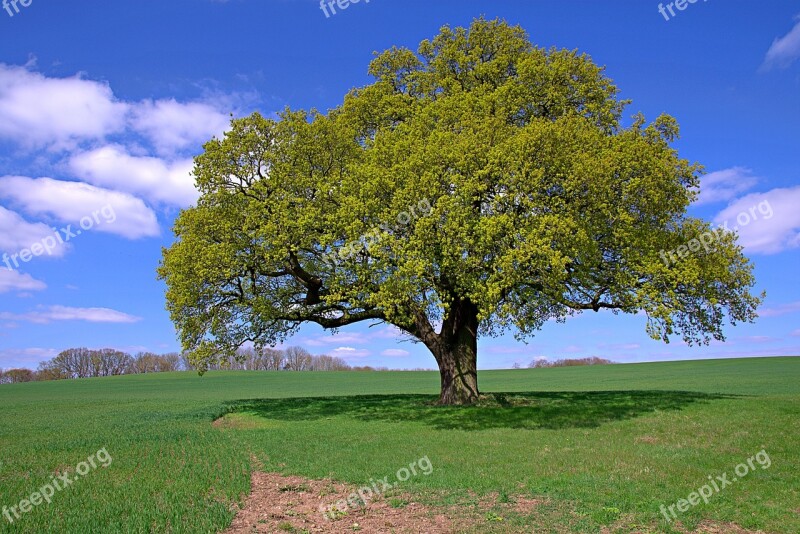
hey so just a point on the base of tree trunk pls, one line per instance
(459, 379)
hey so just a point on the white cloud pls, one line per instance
(11, 280)
(388, 332)
(767, 222)
(621, 346)
(350, 337)
(349, 352)
(37, 111)
(27, 358)
(157, 180)
(49, 314)
(720, 186)
(112, 143)
(69, 202)
(172, 126)
(508, 349)
(395, 352)
(784, 50)
(759, 339)
(781, 309)
(16, 233)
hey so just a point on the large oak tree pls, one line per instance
(542, 204)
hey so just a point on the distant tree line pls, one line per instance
(568, 362)
(88, 363)
(289, 359)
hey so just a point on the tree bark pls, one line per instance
(458, 369)
(456, 352)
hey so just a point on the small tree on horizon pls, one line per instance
(539, 204)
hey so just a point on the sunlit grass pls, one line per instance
(594, 446)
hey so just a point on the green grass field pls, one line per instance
(601, 446)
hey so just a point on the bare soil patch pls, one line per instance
(279, 503)
(705, 527)
(713, 527)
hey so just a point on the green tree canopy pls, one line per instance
(479, 185)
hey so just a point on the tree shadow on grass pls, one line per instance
(529, 410)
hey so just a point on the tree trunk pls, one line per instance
(458, 369)
(456, 352)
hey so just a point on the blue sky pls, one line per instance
(103, 104)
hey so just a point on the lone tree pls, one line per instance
(477, 186)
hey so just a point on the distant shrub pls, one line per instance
(15, 376)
